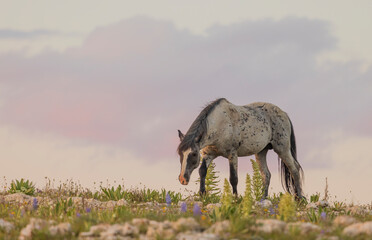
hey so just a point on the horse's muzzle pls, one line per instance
(183, 180)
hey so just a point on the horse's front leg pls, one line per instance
(202, 173)
(233, 163)
(206, 161)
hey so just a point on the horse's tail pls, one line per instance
(286, 176)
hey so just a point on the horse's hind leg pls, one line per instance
(265, 173)
(233, 163)
(294, 170)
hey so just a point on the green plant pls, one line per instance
(22, 186)
(212, 192)
(287, 207)
(64, 206)
(339, 206)
(112, 193)
(257, 181)
(211, 181)
(315, 197)
(227, 197)
(247, 199)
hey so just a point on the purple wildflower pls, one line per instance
(196, 210)
(78, 214)
(35, 204)
(88, 210)
(168, 199)
(272, 211)
(183, 207)
(323, 215)
(23, 211)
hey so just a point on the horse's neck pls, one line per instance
(217, 115)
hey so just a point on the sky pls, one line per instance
(95, 91)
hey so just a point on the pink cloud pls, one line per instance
(134, 83)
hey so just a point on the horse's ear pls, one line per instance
(180, 135)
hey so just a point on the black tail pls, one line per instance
(287, 179)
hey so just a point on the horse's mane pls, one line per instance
(198, 127)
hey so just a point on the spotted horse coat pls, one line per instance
(224, 129)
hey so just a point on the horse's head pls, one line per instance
(189, 159)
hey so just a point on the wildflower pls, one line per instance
(168, 199)
(323, 215)
(35, 204)
(88, 210)
(23, 211)
(272, 211)
(196, 210)
(78, 214)
(183, 207)
(203, 217)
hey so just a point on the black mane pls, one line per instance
(198, 127)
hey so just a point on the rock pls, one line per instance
(210, 207)
(113, 230)
(264, 203)
(344, 221)
(219, 227)
(333, 238)
(129, 230)
(95, 231)
(34, 224)
(60, 229)
(7, 226)
(161, 230)
(141, 224)
(197, 236)
(77, 201)
(270, 225)
(312, 205)
(322, 203)
(18, 198)
(357, 210)
(359, 228)
(110, 205)
(122, 202)
(303, 227)
(92, 203)
(183, 224)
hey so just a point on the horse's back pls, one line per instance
(262, 124)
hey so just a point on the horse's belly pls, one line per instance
(250, 149)
(253, 144)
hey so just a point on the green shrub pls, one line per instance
(211, 182)
(227, 197)
(287, 207)
(112, 193)
(247, 199)
(212, 192)
(257, 181)
(22, 186)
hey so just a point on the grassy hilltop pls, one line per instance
(69, 211)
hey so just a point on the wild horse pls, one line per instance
(224, 129)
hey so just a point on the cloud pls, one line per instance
(16, 34)
(134, 83)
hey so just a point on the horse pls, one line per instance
(224, 129)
